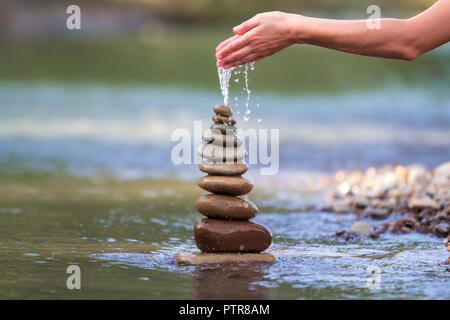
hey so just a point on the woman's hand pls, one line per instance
(261, 36)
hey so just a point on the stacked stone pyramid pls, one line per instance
(226, 227)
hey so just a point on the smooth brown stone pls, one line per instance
(223, 110)
(223, 128)
(235, 186)
(226, 169)
(224, 258)
(214, 236)
(225, 207)
(222, 119)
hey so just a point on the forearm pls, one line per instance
(398, 39)
(392, 40)
(267, 33)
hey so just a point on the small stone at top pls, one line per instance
(223, 110)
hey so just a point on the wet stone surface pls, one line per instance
(231, 236)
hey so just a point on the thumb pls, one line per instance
(247, 25)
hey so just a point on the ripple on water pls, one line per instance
(409, 264)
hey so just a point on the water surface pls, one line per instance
(124, 235)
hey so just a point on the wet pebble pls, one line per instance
(423, 203)
(226, 169)
(379, 214)
(222, 119)
(235, 186)
(341, 207)
(225, 207)
(360, 202)
(361, 227)
(442, 229)
(223, 128)
(223, 110)
(404, 225)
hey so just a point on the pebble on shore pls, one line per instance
(411, 198)
(361, 228)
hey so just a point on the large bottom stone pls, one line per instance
(224, 258)
(215, 236)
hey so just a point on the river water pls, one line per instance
(98, 189)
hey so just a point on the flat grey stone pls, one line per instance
(224, 258)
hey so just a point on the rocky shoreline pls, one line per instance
(411, 198)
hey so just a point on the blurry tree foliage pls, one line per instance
(226, 10)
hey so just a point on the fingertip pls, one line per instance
(219, 47)
(228, 65)
(238, 30)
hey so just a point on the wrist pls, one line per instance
(300, 31)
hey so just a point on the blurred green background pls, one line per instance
(172, 42)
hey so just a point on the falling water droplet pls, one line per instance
(247, 108)
(224, 80)
(257, 109)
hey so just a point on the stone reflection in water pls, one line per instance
(230, 282)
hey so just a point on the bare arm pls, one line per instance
(268, 33)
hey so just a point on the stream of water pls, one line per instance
(224, 79)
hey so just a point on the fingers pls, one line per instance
(236, 44)
(225, 43)
(232, 47)
(235, 56)
(237, 47)
(247, 25)
(252, 57)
